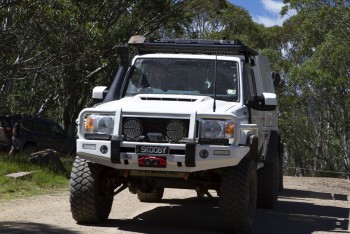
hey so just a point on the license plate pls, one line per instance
(147, 149)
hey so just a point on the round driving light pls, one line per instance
(103, 149)
(175, 130)
(203, 154)
(132, 129)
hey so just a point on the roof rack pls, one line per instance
(191, 46)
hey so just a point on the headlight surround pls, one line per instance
(99, 124)
(216, 129)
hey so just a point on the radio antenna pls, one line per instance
(214, 104)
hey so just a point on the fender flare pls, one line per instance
(253, 143)
(274, 147)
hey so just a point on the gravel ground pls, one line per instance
(307, 205)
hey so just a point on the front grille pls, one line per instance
(154, 130)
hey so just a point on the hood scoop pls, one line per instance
(174, 99)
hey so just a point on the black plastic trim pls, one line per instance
(190, 156)
(194, 47)
(115, 151)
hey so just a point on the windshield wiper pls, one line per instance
(225, 98)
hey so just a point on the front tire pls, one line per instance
(237, 199)
(91, 198)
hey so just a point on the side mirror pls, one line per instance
(99, 93)
(265, 102)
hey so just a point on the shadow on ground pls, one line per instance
(192, 215)
(296, 213)
(21, 227)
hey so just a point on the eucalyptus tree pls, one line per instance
(316, 120)
(218, 19)
(53, 52)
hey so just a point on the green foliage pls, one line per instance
(42, 180)
(315, 107)
(53, 53)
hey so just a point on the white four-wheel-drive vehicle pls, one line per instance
(187, 114)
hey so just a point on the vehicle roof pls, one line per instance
(139, 45)
(26, 117)
(191, 46)
(191, 56)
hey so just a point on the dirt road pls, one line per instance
(307, 205)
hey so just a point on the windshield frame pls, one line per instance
(230, 95)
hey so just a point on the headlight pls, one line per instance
(216, 129)
(99, 124)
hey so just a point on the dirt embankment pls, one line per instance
(307, 205)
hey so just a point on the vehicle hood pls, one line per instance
(172, 104)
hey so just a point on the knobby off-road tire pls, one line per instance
(268, 183)
(280, 176)
(268, 176)
(154, 196)
(237, 199)
(90, 201)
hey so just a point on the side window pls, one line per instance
(41, 127)
(267, 84)
(249, 83)
(264, 71)
(252, 80)
(57, 130)
(4, 123)
(28, 124)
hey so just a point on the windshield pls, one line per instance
(185, 77)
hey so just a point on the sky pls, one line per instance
(266, 12)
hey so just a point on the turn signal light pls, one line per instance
(89, 125)
(230, 129)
